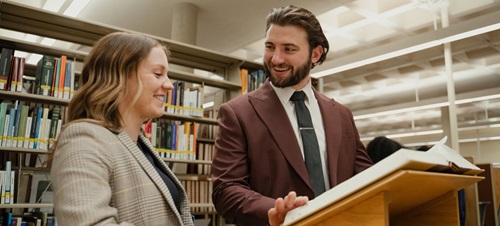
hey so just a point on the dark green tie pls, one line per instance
(310, 143)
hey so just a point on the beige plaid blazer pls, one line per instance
(102, 178)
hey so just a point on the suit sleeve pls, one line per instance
(80, 176)
(232, 196)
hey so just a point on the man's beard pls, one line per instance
(297, 74)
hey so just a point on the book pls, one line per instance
(10, 127)
(5, 64)
(62, 75)
(3, 115)
(67, 80)
(44, 74)
(440, 158)
(7, 182)
(20, 74)
(14, 74)
(54, 115)
(22, 125)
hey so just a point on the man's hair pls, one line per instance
(291, 15)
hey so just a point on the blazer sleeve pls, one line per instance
(80, 175)
(232, 196)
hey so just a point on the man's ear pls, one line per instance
(316, 54)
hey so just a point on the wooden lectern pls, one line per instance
(403, 198)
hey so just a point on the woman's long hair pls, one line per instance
(103, 80)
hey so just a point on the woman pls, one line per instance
(104, 170)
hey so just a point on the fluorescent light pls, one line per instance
(425, 107)
(391, 136)
(402, 110)
(53, 5)
(470, 100)
(48, 41)
(209, 104)
(479, 139)
(33, 59)
(76, 7)
(30, 38)
(375, 59)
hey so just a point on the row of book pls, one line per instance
(55, 76)
(251, 81)
(184, 100)
(199, 192)
(7, 182)
(11, 71)
(26, 126)
(208, 131)
(28, 219)
(173, 139)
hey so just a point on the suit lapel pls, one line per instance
(333, 132)
(268, 106)
(151, 171)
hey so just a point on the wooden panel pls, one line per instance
(471, 202)
(485, 194)
(410, 192)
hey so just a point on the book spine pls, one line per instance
(14, 74)
(8, 171)
(62, 75)
(5, 63)
(20, 73)
(46, 72)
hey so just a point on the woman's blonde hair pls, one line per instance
(103, 80)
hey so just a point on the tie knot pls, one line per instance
(298, 96)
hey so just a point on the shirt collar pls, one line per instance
(284, 94)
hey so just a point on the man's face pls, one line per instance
(287, 58)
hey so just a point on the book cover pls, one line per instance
(439, 159)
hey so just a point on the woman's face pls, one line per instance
(153, 75)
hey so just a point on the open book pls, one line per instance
(440, 158)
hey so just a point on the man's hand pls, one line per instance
(282, 206)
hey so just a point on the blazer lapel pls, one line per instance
(268, 106)
(333, 132)
(150, 170)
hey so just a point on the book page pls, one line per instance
(452, 155)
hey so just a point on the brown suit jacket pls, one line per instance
(257, 157)
(103, 178)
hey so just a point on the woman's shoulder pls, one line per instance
(83, 127)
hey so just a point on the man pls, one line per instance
(259, 154)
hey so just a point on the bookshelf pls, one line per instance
(26, 19)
